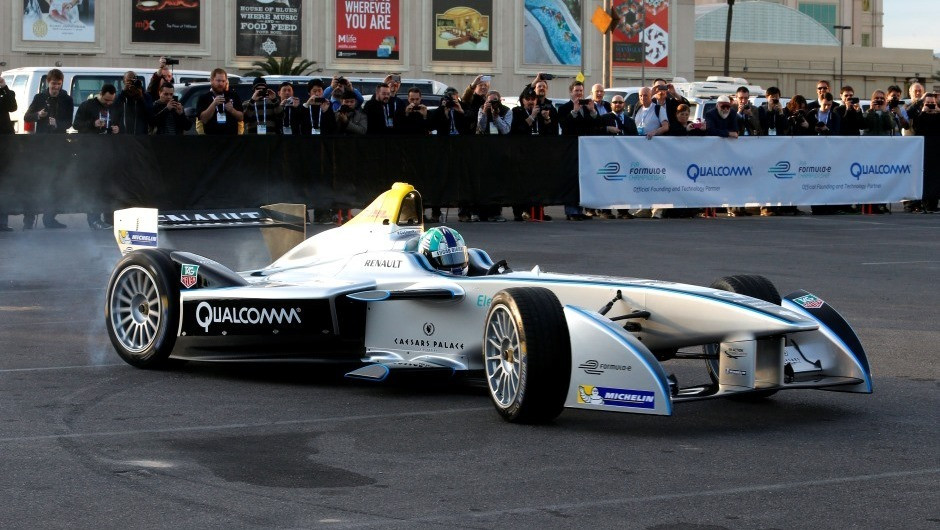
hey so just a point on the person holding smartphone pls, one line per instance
(262, 110)
(220, 109)
(317, 115)
(168, 115)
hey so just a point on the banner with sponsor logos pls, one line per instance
(367, 29)
(169, 21)
(618, 172)
(59, 20)
(267, 28)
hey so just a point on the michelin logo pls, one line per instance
(616, 397)
(142, 239)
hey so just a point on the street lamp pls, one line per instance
(841, 51)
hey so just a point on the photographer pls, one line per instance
(338, 86)
(415, 115)
(799, 121)
(897, 110)
(748, 117)
(262, 111)
(291, 112)
(52, 112)
(850, 113)
(350, 121)
(7, 105)
(827, 121)
(475, 96)
(318, 116)
(379, 112)
(533, 119)
(578, 116)
(773, 120)
(132, 108)
(161, 76)
(493, 117)
(168, 116)
(878, 121)
(449, 118)
(927, 123)
(220, 108)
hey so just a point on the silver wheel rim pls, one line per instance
(501, 351)
(135, 309)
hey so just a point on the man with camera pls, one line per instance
(494, 117)
(318, 116)
(168, 116)
(394, 84)
(474, 96)
(914, 107)
(415, 115)
(850, 113)
(220, 108)
(827, 120)
(380, 115)
(773, 119)
(291, 111)
(338, 87)
(927, 123)
(350, 121)
(578, 116)
(748, 116)
(133, 108)
(896, 108)
(52, 112)
(449, 118)
(262, 111)
(531, 118)
(878, 121)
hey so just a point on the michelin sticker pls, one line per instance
(616, 397)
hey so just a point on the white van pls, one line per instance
(81, 82)
(715, 86)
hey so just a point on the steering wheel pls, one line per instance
(500, 267)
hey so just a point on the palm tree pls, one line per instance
(284, 66)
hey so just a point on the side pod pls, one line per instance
(612, 370)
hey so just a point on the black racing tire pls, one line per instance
(755, 286)
(527, 355)
(142, 307)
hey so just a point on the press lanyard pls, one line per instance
(263, 124)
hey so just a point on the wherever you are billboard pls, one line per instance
(368, 29)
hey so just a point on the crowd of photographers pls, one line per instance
(340, 109)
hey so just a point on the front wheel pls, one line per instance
(754, 286)
(142, 308)
(527, 355)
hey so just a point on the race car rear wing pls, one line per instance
(283, 225)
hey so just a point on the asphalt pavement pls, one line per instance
(87, 441)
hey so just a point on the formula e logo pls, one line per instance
(611, 171)
(428, 328)
(781, 170)
(592, 367)
(206, 315)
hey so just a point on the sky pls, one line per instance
(911, 24)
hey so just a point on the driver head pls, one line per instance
(445, 249)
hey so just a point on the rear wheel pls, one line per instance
(754, 286)
(527, 355)
(142, 308)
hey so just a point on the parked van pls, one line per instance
(81, 82)
(715, 86)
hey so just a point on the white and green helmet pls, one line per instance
(445, 249)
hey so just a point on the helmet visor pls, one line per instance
(451, 257)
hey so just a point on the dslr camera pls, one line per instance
(893, 103)
(169, 61)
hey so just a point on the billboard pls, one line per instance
(641, 22)
(368, 29)
(552, 32)
(462, 30)
(167, 21)
(59, 20)
(267, 28)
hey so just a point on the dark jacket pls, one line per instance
(7, 105)
(833, 123)
(850, 121)
(413, 122)
(715, 125)
(212, 126)
(163, 118)
(89, 112)
(312, 118)
(440, 121)
(59, 107)
(539, 127)
(132, 115)
(581, 123)
(773, 120)
(927, 124)
(625, 124)
(376, 115)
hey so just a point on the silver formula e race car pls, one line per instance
(362, 293)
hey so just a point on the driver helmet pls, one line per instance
(445, 249)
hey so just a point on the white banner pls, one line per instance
(667, 172)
